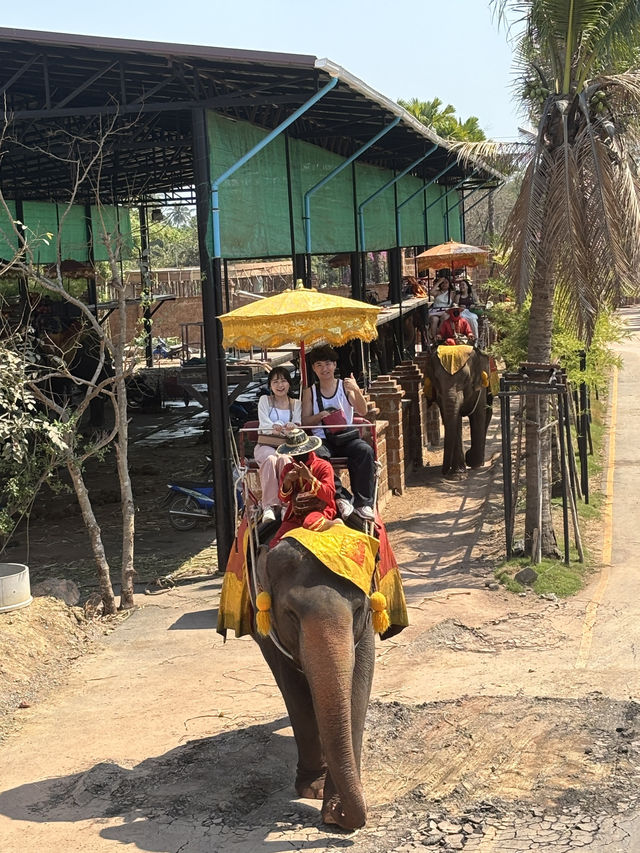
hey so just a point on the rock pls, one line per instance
(549, 596)
(492, 585)
(60, 588)
(449, 827)
(527, 576)
(518, 548)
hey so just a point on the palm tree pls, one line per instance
(574, 232)
(444, 121)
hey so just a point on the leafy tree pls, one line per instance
(574, 232)
(43, 398)
(444, 121)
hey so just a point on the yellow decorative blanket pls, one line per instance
(344, 551)
(454, 359)
(348, 553)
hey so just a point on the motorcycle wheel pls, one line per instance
(183, 503)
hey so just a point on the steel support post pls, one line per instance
(584, 429)
(145, 281)
(211, 274)
(505, 433)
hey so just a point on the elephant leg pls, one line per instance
(478, 423)
(311, 769)
(360, 693)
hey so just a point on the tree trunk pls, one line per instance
(93, 528)
(122, 455)
(126, 500)
(539, 351)
(491, 215)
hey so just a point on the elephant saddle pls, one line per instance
(454, 358)
(352, 555)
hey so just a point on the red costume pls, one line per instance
(322, 486)
(454, 326)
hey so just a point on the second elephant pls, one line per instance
(459, 383)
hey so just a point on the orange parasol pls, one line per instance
(453, 255)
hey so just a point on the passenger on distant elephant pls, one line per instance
(307, 491)
(455, 328)
(466, 300)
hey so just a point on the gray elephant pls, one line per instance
(458, 380)
(324, 624)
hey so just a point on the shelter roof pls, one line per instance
(61, 87)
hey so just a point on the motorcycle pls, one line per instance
(192, 501)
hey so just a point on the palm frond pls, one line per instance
(505, 157)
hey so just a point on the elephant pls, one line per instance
(324, 623)
(461, 390)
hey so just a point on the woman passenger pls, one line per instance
(442, 301)
(278, 414)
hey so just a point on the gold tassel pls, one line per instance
(485, 379)
(263, 616)
(380, 617)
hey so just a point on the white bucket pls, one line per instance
(15, 590)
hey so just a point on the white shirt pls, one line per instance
(270, 416)
(442, 299)
(338, 401)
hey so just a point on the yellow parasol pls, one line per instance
(452, 255)
(299, 315)
(303, 315)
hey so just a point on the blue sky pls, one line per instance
(451, 49)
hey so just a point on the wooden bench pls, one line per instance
(249, 433)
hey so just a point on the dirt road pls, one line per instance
(497, 723)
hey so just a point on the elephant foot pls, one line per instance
(454, 475)
(332, 814)
(473, 462)
(310, 788)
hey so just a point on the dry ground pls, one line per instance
(482, 735)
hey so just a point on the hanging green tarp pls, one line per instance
(253, 202)
(379, 214)
(455, 229)
(412, 214)
(254, 212)
(114, 224)
(331, 207)
(51, 229)
(8, 236)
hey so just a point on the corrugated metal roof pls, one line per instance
(61, 86)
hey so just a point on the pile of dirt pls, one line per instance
(37, 645)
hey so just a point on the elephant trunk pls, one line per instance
(451, 410)
(330, 678)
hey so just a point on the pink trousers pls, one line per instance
(270, 464)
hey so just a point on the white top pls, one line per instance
(270, 416)
(338, 401)
(442, 300)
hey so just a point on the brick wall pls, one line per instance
(166, 320)
(387, 395)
